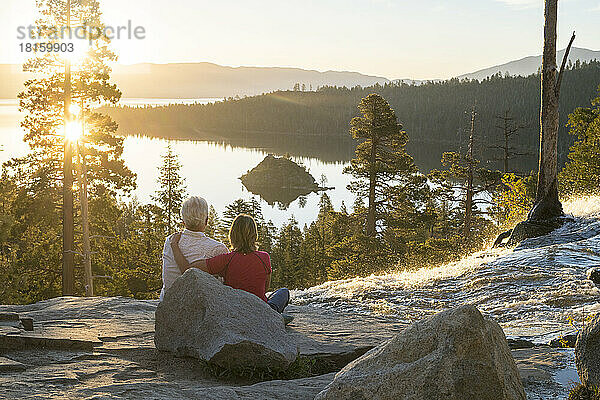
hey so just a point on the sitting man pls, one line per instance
(194, 244)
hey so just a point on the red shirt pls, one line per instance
(243, 271)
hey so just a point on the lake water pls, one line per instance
(211, 170)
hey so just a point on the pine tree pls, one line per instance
(44, 100)
(241, 206)
(287, 256)
(462, 176)
(318, 237)
(581, 174)
(172, 190)
(253, 208)
(8, 192)
(512, 203)
(129, 239)
(60, 102)
(213, 227)
(381, 166)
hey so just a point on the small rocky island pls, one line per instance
(279, 180)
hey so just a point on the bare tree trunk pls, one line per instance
(547, 204)
(544, 216)
(509, 128)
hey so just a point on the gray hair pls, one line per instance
(194, 212)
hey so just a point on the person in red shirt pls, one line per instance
(244, 268)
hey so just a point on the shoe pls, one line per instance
(287, 318)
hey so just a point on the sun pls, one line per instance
(73, 131)
(74, 109)
(79, 52)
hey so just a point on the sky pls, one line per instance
(425, 39)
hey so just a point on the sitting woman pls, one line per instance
(244, 268)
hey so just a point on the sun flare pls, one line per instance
(78, 54)
(74, 109)
(73, 131)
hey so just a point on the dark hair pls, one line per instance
(243, 234)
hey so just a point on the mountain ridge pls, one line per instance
(207, 79)
(204, 79)
(530, 64)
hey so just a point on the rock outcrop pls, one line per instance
(456, 354)
(593, 274)
(126, 365)
(587, 353)
(199, 317)
(531, 229)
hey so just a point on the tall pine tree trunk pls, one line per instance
(371, 213)
(170, 198)
(370, 231)
(547, 205)
(506, 145)
(85, 221)
(68, 270)
(469, 197)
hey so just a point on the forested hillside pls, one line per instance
(433, 114)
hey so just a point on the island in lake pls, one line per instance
(279, 180)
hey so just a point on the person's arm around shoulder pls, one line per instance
(268, 283)
(167, 254)
(269, 272)
(180, 259)
(219, 249)
(167, 257)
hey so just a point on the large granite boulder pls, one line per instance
(455, 354)
(202, 318)
(587, 353)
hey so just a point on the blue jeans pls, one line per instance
(279, 299)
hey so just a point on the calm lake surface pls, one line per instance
(211, 170)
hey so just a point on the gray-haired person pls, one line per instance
(194, 244)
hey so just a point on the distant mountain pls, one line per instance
(196, 80)
(530, 65)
